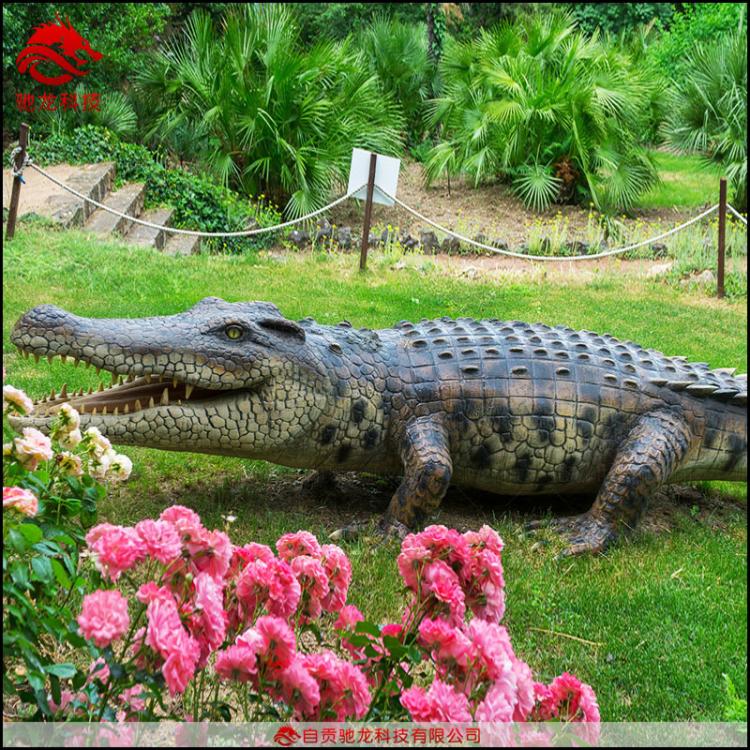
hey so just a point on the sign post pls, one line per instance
(382, 172)
(722, 236)
(368, 212)
(15, 195)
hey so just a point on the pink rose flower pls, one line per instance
(160, 540)
(32, 448)
(24, 501)
(440, 703)
(314, 584)
(210, 552)
(237, 663)
(16, 400)
(115, 548)
(279, 643)
(179, 667)
(339, 571)
(299, 690)
(209, 623)
(104, 617)
(186, 521)
(301, 543)
(343, 687)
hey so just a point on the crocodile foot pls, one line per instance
(586, 532)
(385, 529)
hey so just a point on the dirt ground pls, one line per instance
(491, 210)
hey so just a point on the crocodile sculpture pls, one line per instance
(505, 407)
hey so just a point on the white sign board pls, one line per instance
(386, 176)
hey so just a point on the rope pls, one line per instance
(737, 214)
(18, 171)
(190, 232)
(526, 256)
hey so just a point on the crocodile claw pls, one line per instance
(586, 532)
(385, 529)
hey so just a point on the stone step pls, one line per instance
(182, 244)
(128, 199)
(41, 196)
(148, 236)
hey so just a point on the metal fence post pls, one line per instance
(368, 213)
(23, 142)
(722, 236)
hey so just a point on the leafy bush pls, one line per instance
(555, 112)
(614, 18)
(267, 116)
(51, 488)
(397, 54)
(696, 23)
(708, 109)
(198, 203)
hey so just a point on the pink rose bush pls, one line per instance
(275, 629)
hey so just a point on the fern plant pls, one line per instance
(556, 113)
(267, 116)
(708, 113)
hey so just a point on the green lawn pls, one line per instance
(685, 183)
(663, 615)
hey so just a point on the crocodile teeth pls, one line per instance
(93, 411)
(50, 357)
(25, 355)
(76, 362)
(137, 405)
(174, 382)
(126, 409)
(130, 378)
(98, 370)
(64, 391)
(36, 358)
(90, 391)
(80, 392)
(52, 395)
(164, 397)
(104, 410)
(116, 411)
(151, 403)
(82, 409)
(188, 390)
(147, 378)
(101, 386)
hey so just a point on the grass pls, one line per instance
(664, 614)
(685, 183)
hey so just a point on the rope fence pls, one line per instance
(27, 161)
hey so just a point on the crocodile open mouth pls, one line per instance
(125, 395)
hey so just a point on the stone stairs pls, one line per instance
(42, 197)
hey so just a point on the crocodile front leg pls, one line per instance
(648, 456)
(427, 475)
(427, 472)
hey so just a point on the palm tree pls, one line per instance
(267, 116)
(708, 112)
(553, 111)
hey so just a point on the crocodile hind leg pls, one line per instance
(646, 459)
(427, 475)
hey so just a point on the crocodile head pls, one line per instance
(228, 378)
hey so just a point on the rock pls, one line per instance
(344, 238)
(324, 232)
(429, 242)
(705, 277)
(659, 249)
(387, 236)
(373, 240)
(470, 272)
(659, 268)
(299, 238)
(451, 246)
(408, 242)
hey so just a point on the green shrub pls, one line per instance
(198, 203)
(553, 111)
(708, 109)
(397, 53)
(267, 116)
(618, 17)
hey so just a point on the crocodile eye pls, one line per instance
(234, 332)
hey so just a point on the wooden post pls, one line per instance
(368, 213)
(23, 142)
(722, 236)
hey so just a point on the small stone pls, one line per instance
(429, 242)
(706, 277)
(324, 232)
(659, 249)
(451, 246)
(470, 272)
(344, 238)
(299, 238)
(408, 242)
